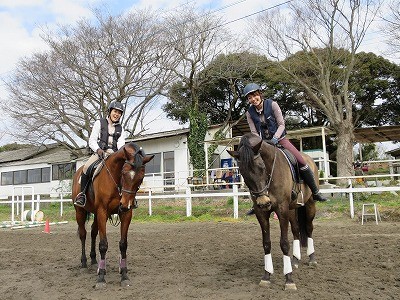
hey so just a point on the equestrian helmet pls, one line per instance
(249, 88)
(116, 105)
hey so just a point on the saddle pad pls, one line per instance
(291, 158)
(97, 166)
(292, 161)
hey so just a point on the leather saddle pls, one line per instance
(297, 193)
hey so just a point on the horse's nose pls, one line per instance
(123, 209)
(263, 201)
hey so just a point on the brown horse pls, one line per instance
(113, 191)
(268, 176)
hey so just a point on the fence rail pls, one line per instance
(207, 191)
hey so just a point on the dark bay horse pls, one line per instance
(113, 191)
(267, 174)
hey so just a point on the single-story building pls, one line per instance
(44, 170)
(48, 169)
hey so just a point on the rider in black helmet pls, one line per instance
(265, 119)
(107, 136)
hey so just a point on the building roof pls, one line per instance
(394, 152)
(36, 155)
(21, 154)
(157, 135)
(362, 135)
(378, 134)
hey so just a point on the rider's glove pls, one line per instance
(274, 140)
(100, 153)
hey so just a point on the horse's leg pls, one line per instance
(263, 220)
(81, 220)
(123, 245)
(310, 214)
(283, 214)
(294, 225)
(103, 247)
(93, 234)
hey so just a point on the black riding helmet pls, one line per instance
(249, 88)
(116, 105)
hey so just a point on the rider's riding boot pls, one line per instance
(308, 177)
(250, 212)
(80, 199)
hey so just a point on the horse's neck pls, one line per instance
(116, 160)
(268, 154)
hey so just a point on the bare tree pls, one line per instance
(194, 39)
(329, 33)
(56, 96)
(392, 28)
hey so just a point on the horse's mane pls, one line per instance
(246, 154)
(138, 155)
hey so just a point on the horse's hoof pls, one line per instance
(125, 283)
(290, 287)
(100, 285)
(265, 283)
(312, 263)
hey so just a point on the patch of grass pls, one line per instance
(339, 207)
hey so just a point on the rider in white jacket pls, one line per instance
(107, 136)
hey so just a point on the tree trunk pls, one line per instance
(344, 157)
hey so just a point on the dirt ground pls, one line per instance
(202, 261)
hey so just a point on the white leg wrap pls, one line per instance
(296, 249)
(310, 246)
(268, 263)
(287, 266)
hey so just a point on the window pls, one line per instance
(154, 166)
(63, 171)
(169, 168)
(45, 174)
(6, 178)
(20, 177)
(34, 175)
(37, 175)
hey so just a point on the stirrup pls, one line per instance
(135, 204)
(301, 203)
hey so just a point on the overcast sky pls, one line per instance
(22, 22)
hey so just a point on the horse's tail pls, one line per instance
(88, 216)
(302, 219)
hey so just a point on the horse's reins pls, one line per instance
(109, 173)
(120, 189)
(259, 193)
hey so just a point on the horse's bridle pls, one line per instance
(133, 165)
(259, 193)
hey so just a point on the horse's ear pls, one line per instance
(147, 158)
(234, 154)
(257, 147)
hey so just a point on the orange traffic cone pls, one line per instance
(47, 227)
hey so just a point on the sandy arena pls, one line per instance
(202, 261)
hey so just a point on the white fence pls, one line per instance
(19, 200)
(206, 191)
